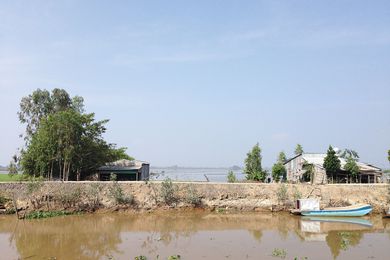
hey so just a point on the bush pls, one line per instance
(34, 184)
(116, 192)
(93, 194)
(231, 177)
(168, 191)
(282, 193)
(297, 195)
(193, 196)
(68, 196)
(3, 199)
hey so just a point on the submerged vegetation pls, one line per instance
(277, 252)
(46, 214)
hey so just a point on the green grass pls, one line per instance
(8, 178)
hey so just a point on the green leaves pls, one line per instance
(278, 172)
(298, 149)
(63, 142)
(351, 167)
(331, 162)
(253, 169)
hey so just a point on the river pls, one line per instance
(193, 235)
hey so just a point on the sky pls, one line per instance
(199, 83)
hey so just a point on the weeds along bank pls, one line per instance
(90, 196)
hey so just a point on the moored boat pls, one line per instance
(349, 211)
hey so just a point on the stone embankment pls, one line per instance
(91, 196)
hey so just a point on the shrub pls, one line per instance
(68, 196)
(116, 192)
(193, 196)
(282, 193)
(34, 184)
(93, 194)
(168, 191)
(3, 199)
(297, 195)
(231, 177)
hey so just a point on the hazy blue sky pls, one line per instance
(198, 83)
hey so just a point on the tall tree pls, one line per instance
(388, 155)
(352, 168)
(298, 149)
(12, 167)
(42, 103)
(282, 157)
(253, 169)
(63, 142)
(278, 172)
(331, 163)
(346, 153)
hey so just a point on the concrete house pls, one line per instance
(296, 170)
(125, 170)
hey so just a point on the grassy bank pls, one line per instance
(8, 178)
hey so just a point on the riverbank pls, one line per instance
(146, 196)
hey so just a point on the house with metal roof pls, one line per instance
(125, 170)
(298, 170)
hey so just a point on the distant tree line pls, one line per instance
(61, 140)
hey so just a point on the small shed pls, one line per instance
(125, 170)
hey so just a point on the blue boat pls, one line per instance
(350, 211)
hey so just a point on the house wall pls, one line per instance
(145, 172)
(295, 171)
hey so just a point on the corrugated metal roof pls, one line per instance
(124, 165)
(318, 159)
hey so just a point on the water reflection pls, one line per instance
(193, 235)
(339, 233)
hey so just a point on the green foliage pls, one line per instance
(63, 142)
(298, 149)
(279, 172)
(3, 199)
(68, 196)
(34, 184)
(93, 194)
(331, 162)
(116, 192)
(388, 155)
(231, 177)
(279, 253)
(282, 157)
(193, 196)
(12, 168)
(168, 191)
(141, 257)
(348, 153)
(296, 194)
(174, 257)
(253, 169)
(42, 103)
(351, 167)
(46, 214)
(282, 193)
(309, 172)
(120, 153)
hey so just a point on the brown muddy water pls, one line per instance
(194, 235)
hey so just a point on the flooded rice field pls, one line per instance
(194, 235)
